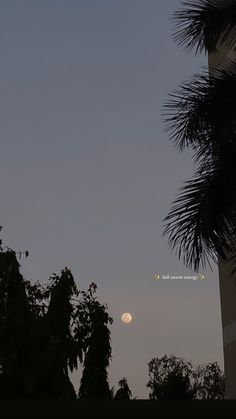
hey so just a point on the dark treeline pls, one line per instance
(171, 377)
(48, 331)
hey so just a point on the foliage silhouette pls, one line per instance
(203, 24)
(61, 349)
(16, 318)
(201, 115)
(124, 392)
(171, 377)
(45, 332)
(209, 382)
(94, 381)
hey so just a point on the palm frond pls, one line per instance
(196, 112)
(200, 224)
(187, 113)
(202, 24)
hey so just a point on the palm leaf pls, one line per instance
(199, 108)
(200, 223)
(187, 113)
(202, 24)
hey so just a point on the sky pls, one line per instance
(87, 172)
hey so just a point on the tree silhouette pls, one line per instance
(16, 329)
(46, 331)
(124, 392)
(204, 24)
(171, 377)
(36, 346)
(209, 382)
(61, 351)
(201, 115)
(94, 381)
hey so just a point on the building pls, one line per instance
(227, 280)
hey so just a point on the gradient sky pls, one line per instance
(87, 173)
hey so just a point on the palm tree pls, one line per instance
(203, 24)
(201, 114)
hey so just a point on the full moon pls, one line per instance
(126, 318)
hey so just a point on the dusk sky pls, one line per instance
(88, 173)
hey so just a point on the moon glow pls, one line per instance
(126, 318)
